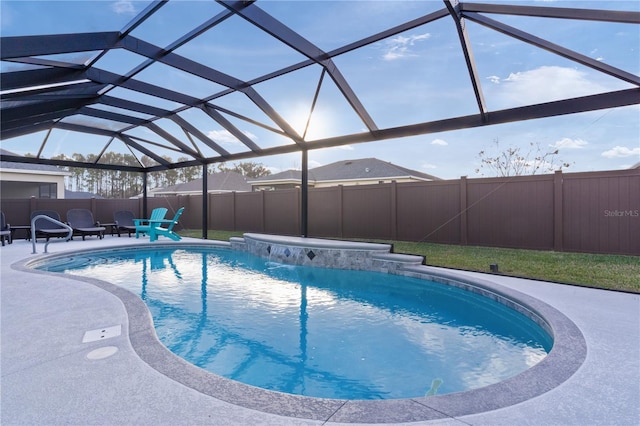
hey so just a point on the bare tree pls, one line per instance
(516, 161)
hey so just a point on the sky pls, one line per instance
(413, 77)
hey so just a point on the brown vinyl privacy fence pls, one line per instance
(596, 212)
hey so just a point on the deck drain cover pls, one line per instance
(102, 333)
(102, 353)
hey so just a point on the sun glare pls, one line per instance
(317, 127)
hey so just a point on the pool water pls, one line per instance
(319, 332)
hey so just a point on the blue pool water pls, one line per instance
(319, 332)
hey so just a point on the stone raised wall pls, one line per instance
(324, 253)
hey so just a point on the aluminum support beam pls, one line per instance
(172, 139)
(304, 191)
(453, 7)
(38, 77)
(554, 48)
(106, 77)
(158, 54)
(205, 202)
(623, 17)
(277, 29)
(134, 106)
(69, 163)
(228, 126)
(127, 140)
(185, 125)
(112, 116)
(59, 108)
(41, 45)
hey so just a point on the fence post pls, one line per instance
(263, 212)
(394, 210)
(463, 211)
(341, 210)
(233, 209)
(205, 202)
(557, 211)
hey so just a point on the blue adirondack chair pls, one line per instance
(156, 228)
(144, 225)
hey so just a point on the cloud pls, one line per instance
(427, 166)
(569, 143)
(345, 147)
(543, 84)
(400, 47)
(223, 136)
(439, 142)
(123, 6)
(621, 152)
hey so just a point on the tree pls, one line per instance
(248, 169)
(515, 161)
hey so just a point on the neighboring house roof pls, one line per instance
(28, 167)
(282, 177)
(636, 166)
(360, 169)
(216, 182)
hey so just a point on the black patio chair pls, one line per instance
(5, 229)
(47, 229)
(81, 220)
(123, 220)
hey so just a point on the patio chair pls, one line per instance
(47, 229)
(156, 228)
(143, 225)
(123, 220)
(5, 230)
(81, 220)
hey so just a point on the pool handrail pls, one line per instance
(50, 219)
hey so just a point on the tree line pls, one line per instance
(125, 184)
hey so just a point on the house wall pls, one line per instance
(21, 184)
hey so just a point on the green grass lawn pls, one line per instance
(592, 270)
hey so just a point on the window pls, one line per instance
(48, 190)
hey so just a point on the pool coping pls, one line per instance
(567, 355)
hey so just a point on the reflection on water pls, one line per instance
(321, 332)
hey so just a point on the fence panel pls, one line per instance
(429, 211)
(367, 211)
(106, 207)
(222, 211)
(596, 212)
(192, 215)
(325, 212)
(249, 211)
(602, 212)
(282, 212)
(511, 212)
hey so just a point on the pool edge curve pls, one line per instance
(565, 358)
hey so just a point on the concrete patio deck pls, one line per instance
(47, 377)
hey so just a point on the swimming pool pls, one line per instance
(319, 332)
(565, 358)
